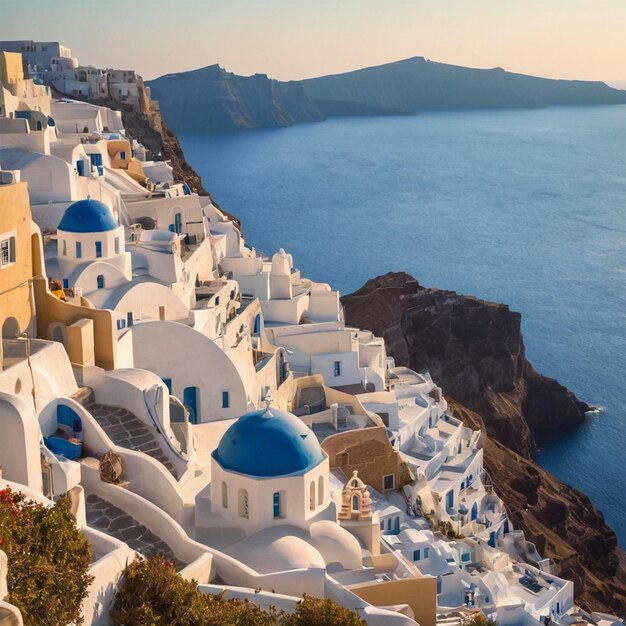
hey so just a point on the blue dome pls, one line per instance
(274, 444)
(87, 216)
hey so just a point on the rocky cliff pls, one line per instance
(475, 351)
(211, 98)
(414, 84)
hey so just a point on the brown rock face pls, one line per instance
(475, 351)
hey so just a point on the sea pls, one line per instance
(526, 207)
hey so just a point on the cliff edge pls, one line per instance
(474, 350)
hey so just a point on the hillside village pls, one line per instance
(203, 402)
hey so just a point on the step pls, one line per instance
(84, 396)
(128, 431)
(111, 520)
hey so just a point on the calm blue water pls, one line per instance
(522, 207)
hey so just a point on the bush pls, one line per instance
(153, 594)
(319, 612)
(480, 620)
(48, 560)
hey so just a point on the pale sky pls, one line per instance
(290, 39)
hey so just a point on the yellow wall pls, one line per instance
(114, 147)
(419, 593)
(11, 68)
(50, 309)
(15, 216)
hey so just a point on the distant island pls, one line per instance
(212, 98)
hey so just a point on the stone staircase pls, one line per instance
(111, 520)
(128, 431)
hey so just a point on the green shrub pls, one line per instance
(320, 612)
(153, 594)
(48, 560)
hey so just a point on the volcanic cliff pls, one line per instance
(474, 350)
(211, 98)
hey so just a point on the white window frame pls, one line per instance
(11, 249)
(393, 480)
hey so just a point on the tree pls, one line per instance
(48, 560)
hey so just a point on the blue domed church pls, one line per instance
(91, 251)
(269, 469)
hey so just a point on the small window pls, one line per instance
(355, 503)
(224, 495)
(7, 251)
(117, 245)
(312, 496)
(337, 368)
(64, 248)
(98, 249)
(389, 482)
(244, 505)
(79, 250)
(426, 552)
(276, 504)
(465, 557)
(225, 400)
(123, 155)
(320, 490)
(100, 281)
(416, 555)
(382, 524)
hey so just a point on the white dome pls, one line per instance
(272, 550)
(336, 544)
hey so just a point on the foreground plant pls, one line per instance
(48, 560)
(153, 594)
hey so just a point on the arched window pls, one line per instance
(100, 281)
(355, 503)
(178, 223)
(312, 496)
(320, 490)
(244, 510)
(224, 495)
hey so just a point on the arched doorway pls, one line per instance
(10, 328)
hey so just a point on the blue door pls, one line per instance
(277, 505)
(178, 223)
(474, 511)
(257, 324)
(168, 383)
(493, 538)
(190, 400)
(450, 499)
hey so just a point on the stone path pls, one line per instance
(109, 519)
(128, 431)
